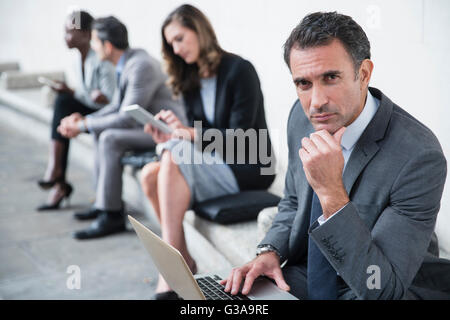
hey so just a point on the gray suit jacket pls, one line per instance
(98, 75)
(394, 177)
(142, 82)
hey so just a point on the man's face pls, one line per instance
(98, 46)
(324, 77)
(75, 38)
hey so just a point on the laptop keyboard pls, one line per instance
(215, 291)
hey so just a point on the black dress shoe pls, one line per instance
(90, 214)
(167, 295)
(107, 223)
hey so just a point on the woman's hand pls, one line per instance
(179, 130)
(158, 136)
(62, 87)
(98, 97)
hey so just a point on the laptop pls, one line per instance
(172, 266)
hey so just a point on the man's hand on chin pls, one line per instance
(323, 163)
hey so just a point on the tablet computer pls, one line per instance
(143, 116)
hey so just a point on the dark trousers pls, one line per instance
(295, 276)
(65, 105)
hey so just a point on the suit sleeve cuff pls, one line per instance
(334, 236)
(321, 220)
(86, 124)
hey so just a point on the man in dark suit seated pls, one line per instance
(140, 80)
(363, 186)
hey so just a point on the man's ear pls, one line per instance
(88, 35)
(108, 47)
(365, 73)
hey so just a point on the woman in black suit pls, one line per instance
(221, 91)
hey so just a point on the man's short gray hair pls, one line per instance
(321, 28)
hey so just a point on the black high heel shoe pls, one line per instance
(54, 206)
(48, 184)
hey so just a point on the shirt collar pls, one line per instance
(355, 130)
(120, 63)
(90, 54)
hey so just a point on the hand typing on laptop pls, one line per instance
(267, 264)
(176, 272)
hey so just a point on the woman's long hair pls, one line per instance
(185, 77)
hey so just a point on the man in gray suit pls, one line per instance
(140, 81)
(363, 185)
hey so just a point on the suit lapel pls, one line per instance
(359, 159)
(366, 147)
(219, 89)
(122, 85)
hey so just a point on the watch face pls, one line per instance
(267, 248)
(262, 250)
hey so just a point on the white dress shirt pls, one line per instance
(208, 94)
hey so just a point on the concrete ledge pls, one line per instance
(265, 219)
(237, 242)
(9, 66)
(26, 80)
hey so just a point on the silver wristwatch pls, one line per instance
(82, 126)
(267, 248)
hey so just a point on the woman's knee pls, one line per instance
(63, 98)
(63, 105)
(169, 172)
(149, 175)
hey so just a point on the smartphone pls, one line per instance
(50, 83)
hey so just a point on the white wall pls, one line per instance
(409, 38)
